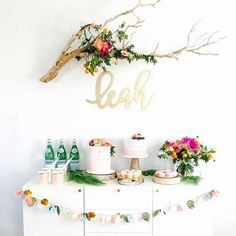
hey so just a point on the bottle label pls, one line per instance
(61, 150)
(74, 165)
(48, 150)
(74, 150)
(47, 162)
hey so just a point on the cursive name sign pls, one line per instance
(108, 97)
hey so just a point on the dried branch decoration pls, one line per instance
(98, 46)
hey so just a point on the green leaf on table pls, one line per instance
(58, 210)
(146, 216)
(156, 213)
(190, 204)
(150, 172)
(124, 218)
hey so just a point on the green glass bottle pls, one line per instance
(49, 153)
(74, 154)
(61, 153)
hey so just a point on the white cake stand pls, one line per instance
(134, 164)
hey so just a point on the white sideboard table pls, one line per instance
(113, 198)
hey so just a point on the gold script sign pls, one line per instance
(125, 96)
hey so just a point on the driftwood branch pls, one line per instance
(200, 43)
(131, 11)
(79, 43)
(68, 54)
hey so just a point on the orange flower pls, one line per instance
(184, 155)
(98, 43)
(95, 69)
(105, 30)
(174, 155)
(44, 202)
(91, 215)
(27, 193)
(87, 70)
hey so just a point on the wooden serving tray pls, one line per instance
(168, 181)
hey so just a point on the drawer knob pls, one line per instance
(157, 190)
(79, 190)
(118, 190)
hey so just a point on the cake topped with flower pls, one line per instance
(186, 152)
(135, 147)
(137, 137)
(99, 158)
(101, 142)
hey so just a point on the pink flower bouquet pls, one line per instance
(187, 153)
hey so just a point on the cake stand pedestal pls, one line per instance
(134, 163)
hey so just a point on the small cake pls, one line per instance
(99, 158)
(137, 175)
(166, 177)
(166, 173)
(130, 175)
(136, 147)
(123, 174)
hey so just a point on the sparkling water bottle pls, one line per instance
(74, 154)
(61, 153)
(49, 153)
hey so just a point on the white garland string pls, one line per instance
(114, 218)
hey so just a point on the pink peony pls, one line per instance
(194, 145)
(106, 48)
(177, 149)
(107, 145)
(124, 53)
(191, 143)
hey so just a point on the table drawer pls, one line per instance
(66, 196)
(39, 222)
(120, 197)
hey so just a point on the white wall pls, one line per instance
(194, 96)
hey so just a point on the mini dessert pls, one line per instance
(99, 158)
(166, 177)
(137, 175)
(166, 173)
(130, 177)
(123, 174)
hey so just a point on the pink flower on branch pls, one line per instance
(106, 48)
(124, 53)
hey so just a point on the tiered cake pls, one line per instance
(99, 158)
